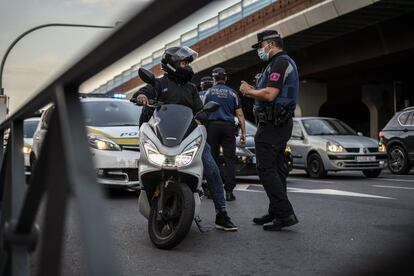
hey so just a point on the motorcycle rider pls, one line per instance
(175, 87)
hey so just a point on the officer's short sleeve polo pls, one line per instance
(277, 73)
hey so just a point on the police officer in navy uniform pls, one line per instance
(275, 95)
(221, 127)
(205, 84)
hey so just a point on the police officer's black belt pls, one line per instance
(220, 122)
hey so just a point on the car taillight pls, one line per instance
(381, 134)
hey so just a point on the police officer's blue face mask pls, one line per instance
(263, 55)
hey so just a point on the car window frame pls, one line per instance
(301, 137)
(410, 113)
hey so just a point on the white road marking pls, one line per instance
(397, 180)
(310, 180)
(334, 192)
(244, 188)
(393, 187)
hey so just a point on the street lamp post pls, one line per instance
(34, 29)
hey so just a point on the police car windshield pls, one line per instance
(111, 113)
(29, 128)
(327, 127)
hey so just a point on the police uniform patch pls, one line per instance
(274, 77)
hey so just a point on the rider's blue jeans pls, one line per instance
(214, 182)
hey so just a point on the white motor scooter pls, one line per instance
(170, 169)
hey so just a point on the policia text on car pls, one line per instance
(275, 97)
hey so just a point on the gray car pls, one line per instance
(322, 144)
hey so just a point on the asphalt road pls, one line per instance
(348, 224)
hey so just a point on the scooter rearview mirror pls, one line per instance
(146, 76)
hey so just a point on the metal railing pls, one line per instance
(64, 166)
(205, 29)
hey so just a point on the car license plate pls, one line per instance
(254, 160)
(365, 158)
(137, 162)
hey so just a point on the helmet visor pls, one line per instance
(186, 53)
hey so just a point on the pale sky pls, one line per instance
(44, 54)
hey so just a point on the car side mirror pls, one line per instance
(360, 134)
(211, 107)
(146, 76)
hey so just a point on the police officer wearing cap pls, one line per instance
(205, 84)
(275, 97)
(221, 127)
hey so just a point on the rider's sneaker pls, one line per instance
(223, 222)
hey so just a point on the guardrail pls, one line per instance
(205, 29)
(65, 166)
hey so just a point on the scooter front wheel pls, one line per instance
(169, 228)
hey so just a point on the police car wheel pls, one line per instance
(315, 167)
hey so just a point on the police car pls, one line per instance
(113, 136)
(29, 128)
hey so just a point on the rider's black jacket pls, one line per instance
(168, 90)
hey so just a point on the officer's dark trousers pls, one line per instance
(270, 153)
(220, 133)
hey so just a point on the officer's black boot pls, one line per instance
(263, 219)
(279, 223)
(230, 196)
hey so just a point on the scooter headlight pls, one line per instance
(101, 142)
(154, 156)
(181, 160)
(187, 156)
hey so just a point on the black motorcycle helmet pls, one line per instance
(171, 59)
(206, 83)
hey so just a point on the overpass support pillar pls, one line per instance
(312, 95)
(373, 97)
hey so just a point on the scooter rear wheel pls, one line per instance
(167, 230)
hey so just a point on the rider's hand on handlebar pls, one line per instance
(142, 100)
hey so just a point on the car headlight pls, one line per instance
(382, 148)
(334, 147)
(288, 149)
(101, 142)
(27, 149)
(183, 159)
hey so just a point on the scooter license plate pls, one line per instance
(254, 160)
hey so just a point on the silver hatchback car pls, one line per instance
(321, 144)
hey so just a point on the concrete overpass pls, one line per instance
(352, 56)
